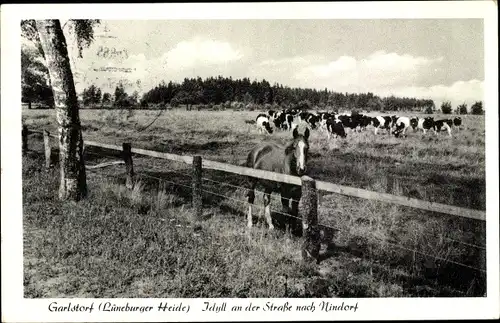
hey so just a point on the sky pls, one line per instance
(440, 59)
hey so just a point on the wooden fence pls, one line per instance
(310, 187)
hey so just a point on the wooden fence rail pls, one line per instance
(295, 180)
(308, 207)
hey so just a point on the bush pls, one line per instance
(462, 109)
(446, 107)
(237, 105)
(227, 105)
(477, 108)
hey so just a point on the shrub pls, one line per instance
(462, 109)
(477, 108)
(446, 107)
(250, 107)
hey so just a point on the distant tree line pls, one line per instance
(222, 90)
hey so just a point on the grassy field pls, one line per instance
(144, 243)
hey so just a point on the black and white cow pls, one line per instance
(323, 118)
(364, 122)
(425, 124)
(414, 123)
(272, 114)
(457, 122)
(335, 127)
(348, 121)
(381, 122)
(402, 123)
(394, 119)
(263, 123)
(443, 124)
(284, 121)
(279, 120)
(313, 121)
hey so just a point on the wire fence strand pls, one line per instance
(391, 243)
(432, 256)
(378, 238)
(169, 171)
(246, 188)
(254, 205)
(276, 198)
(164, 180)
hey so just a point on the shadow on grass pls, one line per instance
(448, 278)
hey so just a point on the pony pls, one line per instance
(290, 159)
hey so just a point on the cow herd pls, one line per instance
(336, 124)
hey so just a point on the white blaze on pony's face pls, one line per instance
(301, 160)
(301, 149)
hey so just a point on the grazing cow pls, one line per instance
(394, 119)
(289, 121)
(365, 121)
(280, 121)
(442, 124)
(303, 115)
(425, 124)
(402, 124)
(381, 122)
(290, 160)
(449, 122)
(323, 118)
(457, 122)
(334, 126)
(414, 123)
(263, 123)
(313, 121)
(348, 121)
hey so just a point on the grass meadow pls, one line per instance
(145, 243)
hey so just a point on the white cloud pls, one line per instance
(197, 57)
(457, 93)
(380, 72)
(196, 52)
(379, 69)
(281, 70)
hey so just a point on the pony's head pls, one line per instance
(300, 148)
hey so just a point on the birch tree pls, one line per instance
(49, 35)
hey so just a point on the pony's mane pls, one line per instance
(289, 147)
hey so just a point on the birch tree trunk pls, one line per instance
(73, 182)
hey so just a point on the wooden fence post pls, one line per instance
(127, 158)
(309, 211)
(48, 149)
(24, 134)
(197, 193)
(390, 184)
(84, 151)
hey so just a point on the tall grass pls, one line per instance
(149, 228)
